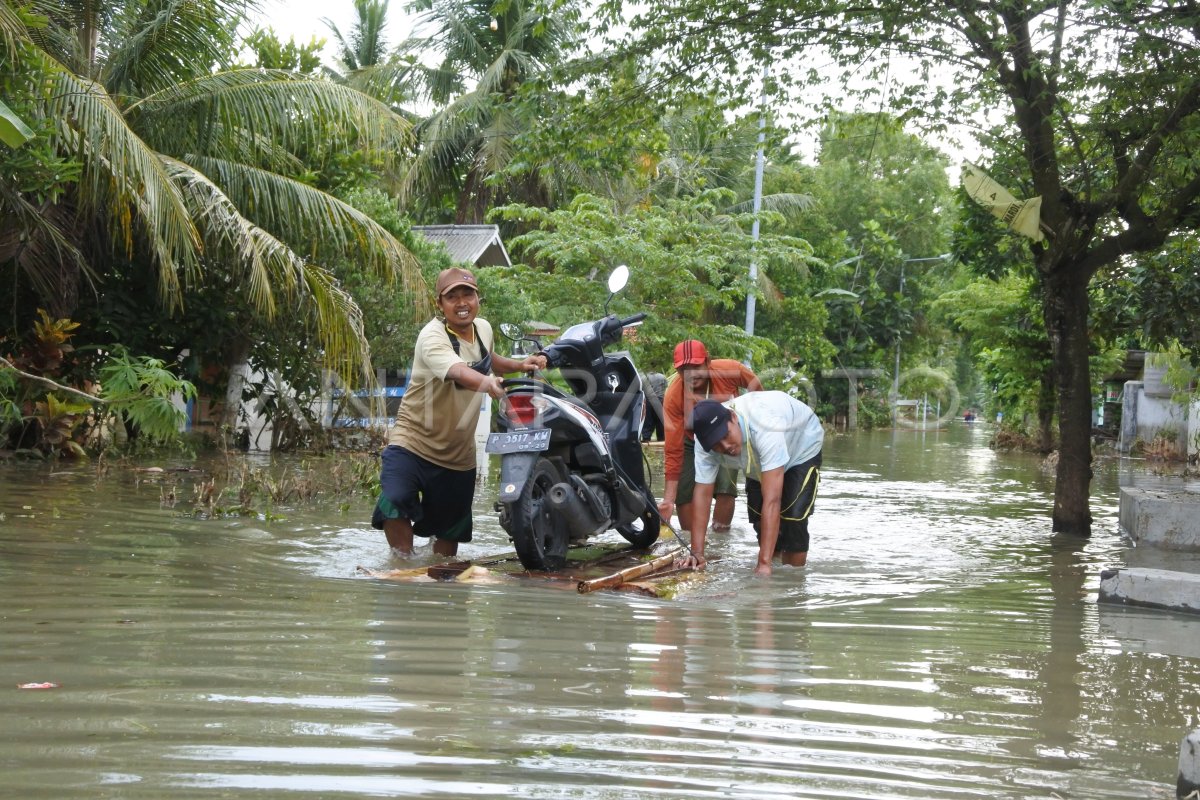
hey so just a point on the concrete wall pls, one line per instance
(1193, 431)
(1145, 415)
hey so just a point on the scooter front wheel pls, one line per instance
(643, 531)
(539, 536)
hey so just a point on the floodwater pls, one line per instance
(940, 644)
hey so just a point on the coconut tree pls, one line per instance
(363, 60)
(489, 51)
(364, 44)
(187, 166)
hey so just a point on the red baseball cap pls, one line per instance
(690, 353)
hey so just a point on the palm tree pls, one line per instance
(363, 59)
(187, 166)
(363, 46)
(489, 51)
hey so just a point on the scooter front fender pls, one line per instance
(515, 469)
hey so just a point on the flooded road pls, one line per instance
(940, 644)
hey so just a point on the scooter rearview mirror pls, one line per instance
(512, 331)
(616, 282)
(618, 279)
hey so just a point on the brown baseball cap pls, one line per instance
(452, 278)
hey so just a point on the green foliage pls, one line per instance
(466, 145)
(690, 261)
(291, 56)
(599, 135)
(392, 315)
(88, 396)
(879, 220)
(1154, 300)
(137, 390)
(159, 157)
(37, 171)
(1001, 320)
(57, 421)
(1100, 121)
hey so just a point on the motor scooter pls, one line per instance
(571, 464)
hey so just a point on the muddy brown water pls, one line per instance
(940, 644)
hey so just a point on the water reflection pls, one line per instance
(940, 644)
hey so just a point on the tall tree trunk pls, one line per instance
(1065, 306)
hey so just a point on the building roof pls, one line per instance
(477, 245)
(536, 328)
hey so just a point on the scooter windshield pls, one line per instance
(583, 332)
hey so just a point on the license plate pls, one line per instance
(518, 441)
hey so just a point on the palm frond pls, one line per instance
(768, 292)
(295, 110)
(275, 275)
(310, 219)
(124, 181)
(152, 44)
(338, 321)
(498, 76)
(496, 142)
(12, 30)
(259, 261)
(38, 239)
(786, 203)
(346, 52)
(446, 141)
(391, 83)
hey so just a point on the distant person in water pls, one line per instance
(777, 440)
(427, 476)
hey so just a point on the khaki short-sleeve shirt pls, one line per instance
(437, 417)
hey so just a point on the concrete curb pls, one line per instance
(1153, 588)
(1166, 518)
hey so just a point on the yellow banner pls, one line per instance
(1022, 216)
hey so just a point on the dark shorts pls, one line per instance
(799, 496)
(436, 500)
(726, 476)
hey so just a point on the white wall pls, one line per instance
(1157, 414)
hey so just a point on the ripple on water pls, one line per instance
(940, 644)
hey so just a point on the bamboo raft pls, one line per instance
(596, 567)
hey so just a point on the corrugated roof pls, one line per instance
(477, 245)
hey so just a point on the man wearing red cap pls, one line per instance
(427, 476)
(698, 378)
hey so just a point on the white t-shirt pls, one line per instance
(777, 431)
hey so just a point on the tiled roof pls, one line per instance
(476, 245)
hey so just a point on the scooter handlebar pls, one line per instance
(638, 317)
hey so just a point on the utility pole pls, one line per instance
(758, 181)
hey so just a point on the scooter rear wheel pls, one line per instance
(643, 531)
(538, 535)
